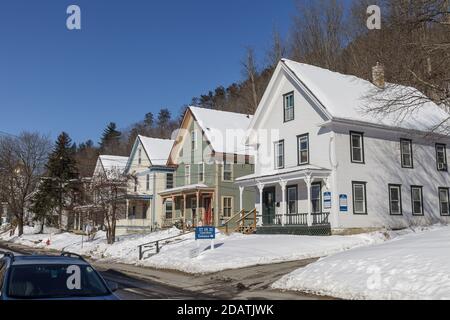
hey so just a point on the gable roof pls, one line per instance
(217, 125)
(112, 165)
(347, 97)
(157, 150)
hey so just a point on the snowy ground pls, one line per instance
(411, 266)
(231, 252)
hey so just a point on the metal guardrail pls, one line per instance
(157, 244)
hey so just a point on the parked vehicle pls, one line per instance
(40, 277)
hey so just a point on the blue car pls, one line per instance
(64, 277)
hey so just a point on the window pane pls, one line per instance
(359, 206)
(359, 192)
(417, 207)
(416, 194)
(395, 208)
(357, 154)
(394, 194)
(356, 141)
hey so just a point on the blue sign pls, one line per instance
(343, 203)
(205, 233)
(327, 200)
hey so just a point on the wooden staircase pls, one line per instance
(242, 222)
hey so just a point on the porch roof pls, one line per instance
(185, 189)
(286, 174)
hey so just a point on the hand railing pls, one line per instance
(157, 244)
(320, 218)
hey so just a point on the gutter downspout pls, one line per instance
(334, 184)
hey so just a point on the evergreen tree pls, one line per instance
(111, 138)
(149, 120)
(62, 170)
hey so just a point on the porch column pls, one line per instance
(283, 185)
(261, 189)
(308, 182)
(197, 210)
(184, 211)
(127, 208)
(241, 191)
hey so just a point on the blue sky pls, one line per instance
(131, 57)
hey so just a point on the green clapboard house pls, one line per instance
(208, 154)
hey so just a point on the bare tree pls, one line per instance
(22, 162)
(109, 192)
(250, 72)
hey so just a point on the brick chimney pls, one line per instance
(378, 75)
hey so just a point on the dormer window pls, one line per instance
(288, 101)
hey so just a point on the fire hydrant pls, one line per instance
(48, 242)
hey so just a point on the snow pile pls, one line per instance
(411, 266)
(124, 250)
(238, 251)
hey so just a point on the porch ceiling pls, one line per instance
(189, 189)
(289, 174)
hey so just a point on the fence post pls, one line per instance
(157, 246)
(140, 252)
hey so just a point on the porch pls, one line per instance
(136, 216)
(190, 206)
(292, 201)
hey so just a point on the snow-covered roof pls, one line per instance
(185, 188)
(158, 150)
(113, 165)
(225, 130)
(347, 97)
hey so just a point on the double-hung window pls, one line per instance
(227, 172)
(139, 156)
(417, 200)
(279, 154)
(227, 203)
(441, 157)
(292, 200)
(201, 172)
(169, 180)
(303, 149)
(316, 198)
(193, 140)
(444, 207)
(406, 153)
(395, 199)
(169, 209)
(288, 107)
(359, 197)
(136, 182)
(147, 182)
(187, 175)
(357, 147)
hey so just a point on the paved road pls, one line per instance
(130, 288)
(147, 283)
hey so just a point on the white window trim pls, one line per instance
(223, 172)
(276, 146)
(203, 172)
(194, 139)
(231, 208)
(165, 208)
(361, 147)
(402, 154)
(446, 190)
(187, 177)
(364, 186)
(400, 205)
(421, 201)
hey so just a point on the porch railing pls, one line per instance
(295, 219)
(320, 218)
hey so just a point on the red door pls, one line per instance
(208, 211)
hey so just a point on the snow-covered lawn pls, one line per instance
(411, 266)
(231, 252)
(238, 251)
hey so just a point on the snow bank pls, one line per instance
(238, 251)
(124, 250)
(411, 266)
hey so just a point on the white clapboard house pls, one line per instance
(324, 162)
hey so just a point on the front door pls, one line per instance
(207, 219)
(269, 206)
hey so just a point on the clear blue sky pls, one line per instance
(131, 57)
